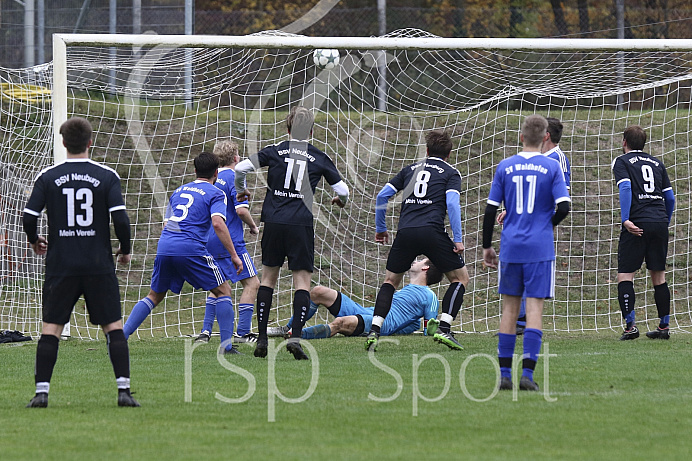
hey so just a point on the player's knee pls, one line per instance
(319, 293)
(251, 283)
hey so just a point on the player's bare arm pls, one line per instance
(382, 237)
(632, 228)
(40, 246)
(221, 230)
(245, 216)
(342, 192)
(122, 257)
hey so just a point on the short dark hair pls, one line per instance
(635, 137)
(299, 122)
(555, 129)
(76, 134)
(439, 143)
(226, 151)
(206, 165)
(433, 275)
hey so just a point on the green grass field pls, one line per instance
(607, 399)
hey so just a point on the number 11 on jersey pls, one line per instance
(519, 186)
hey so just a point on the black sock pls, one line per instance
(662, 299)
(384, 301)
(626, 300)
(46, 356)
(336, 307)
(264, 305)
(119, 353)
(451, 303)
(301, 304)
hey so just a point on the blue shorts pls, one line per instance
(390, 326)
(229, 270)
(533, 280)
(170, 272)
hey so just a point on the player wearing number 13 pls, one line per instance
(530, 185)
(80, 198)
(295, 169)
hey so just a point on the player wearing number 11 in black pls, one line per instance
(646, 203)
(295, 169)
(430, 189)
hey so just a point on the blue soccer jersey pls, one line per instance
(225, 182)
(408, 306)
(188, 218)
(556, 154)
(530, 185)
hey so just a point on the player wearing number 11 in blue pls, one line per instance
(530, 185)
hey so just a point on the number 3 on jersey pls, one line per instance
(519, 193)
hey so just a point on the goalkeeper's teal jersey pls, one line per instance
(408, 306)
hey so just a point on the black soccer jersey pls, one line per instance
(295, 168)
(648, 179)
(78, 196)
(425, 185)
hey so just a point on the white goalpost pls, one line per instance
(157, 101)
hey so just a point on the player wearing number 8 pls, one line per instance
(430, 189)
(530, 185)
(646, 203)
(295, 169)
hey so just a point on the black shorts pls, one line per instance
(281, 241)
(101, 295)
(414, 241)
(652, 246)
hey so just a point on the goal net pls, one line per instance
(156, 102)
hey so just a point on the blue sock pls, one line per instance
(533, 339)
(522, 313)
(245, 312)
(140, 312)
(225, 318)
(505, 352)
(209, 314)
(312, 310)
(317, 332)
(665, 320)
(629, 318)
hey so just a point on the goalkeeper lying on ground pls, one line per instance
(410, 303)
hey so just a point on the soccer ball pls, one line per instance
(326, 59)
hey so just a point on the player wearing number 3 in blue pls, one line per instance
(182, 255)
(530, 185)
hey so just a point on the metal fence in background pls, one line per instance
(541, 19)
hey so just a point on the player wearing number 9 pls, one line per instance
(646, 203)
(530, 185)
